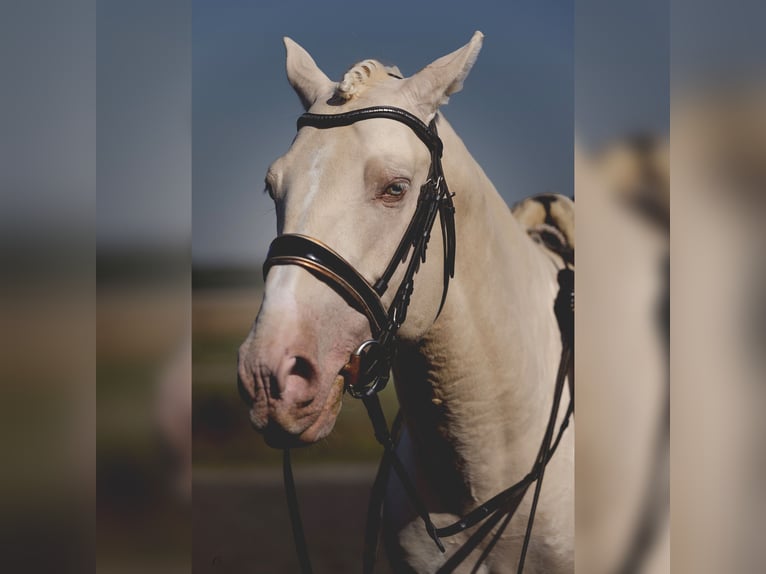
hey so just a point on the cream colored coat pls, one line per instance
(476, 384)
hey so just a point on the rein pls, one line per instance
(368, 368)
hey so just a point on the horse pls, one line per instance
(473, 367)
(622, 496)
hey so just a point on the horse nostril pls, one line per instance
(274, 390)
(302, 368)
(291, 381)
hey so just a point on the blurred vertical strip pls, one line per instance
(718, 156)
(622, 195)
(47, 209)
(144, 286)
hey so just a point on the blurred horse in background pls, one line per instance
(623, 286)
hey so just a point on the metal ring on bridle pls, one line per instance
(368, 343)
(375, 382)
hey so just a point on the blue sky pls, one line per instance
(515, 113)
(165, 77)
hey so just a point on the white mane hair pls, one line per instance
(362, 75)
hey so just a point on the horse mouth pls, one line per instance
(277, 436)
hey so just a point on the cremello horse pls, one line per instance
(476, 384)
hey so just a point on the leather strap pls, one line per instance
(326, 264)
(426, 135)
(506, 502)
(295, 514)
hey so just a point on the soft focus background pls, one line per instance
(622, 119)
(718, 334)
(47, 276)
(143, 286)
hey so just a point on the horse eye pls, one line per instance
(397, 189)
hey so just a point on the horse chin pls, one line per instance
(284, 436)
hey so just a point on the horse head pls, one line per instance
(353, 188)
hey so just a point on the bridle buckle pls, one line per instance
(367, 371)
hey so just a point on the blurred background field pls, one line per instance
(154, 405)
(239, 500)
(143, 299)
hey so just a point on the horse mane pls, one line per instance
(361, 76)
(549, 221)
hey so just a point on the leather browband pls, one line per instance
(295, 249)
(387, 112)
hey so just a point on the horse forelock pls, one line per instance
(361, 76)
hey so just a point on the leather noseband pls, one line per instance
(326, 264)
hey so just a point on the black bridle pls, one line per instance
(368, 368)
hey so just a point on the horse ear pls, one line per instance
(432, 86)
(308, 81)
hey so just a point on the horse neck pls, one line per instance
(475, 390)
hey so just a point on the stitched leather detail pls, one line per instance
(295, 249)
(323, 121)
